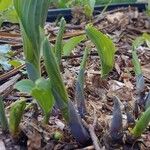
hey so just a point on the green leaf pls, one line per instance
(53, 71)
(138, 42)
(147, 39)
(142, 123)
(30, 27)
(61, 96)
(79, 92)
(59, 39)
(72, 43)
(7, 12)
(58, 87)
(3, 118)
(15, 63)
(105, 48)
(25, 86)
(33, 72)
(16, 113)
(4, 4)
(10, 16)
(136, 63)
(42, 93)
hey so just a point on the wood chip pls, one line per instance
(7, 87)
(2, 145)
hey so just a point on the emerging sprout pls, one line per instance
(16, 113)
(141, 124)
(79, 92)
(116, 128)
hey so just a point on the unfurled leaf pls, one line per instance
(16, 113)
(7, 12)
(79, 92)
(3, 118)
(42, 93)
(141, 124)
(59, 39)
(53, 71)
(105, 48)
(4, 4)
(25, 86)
(30, 27)
(72, 43)
(58, 87)
(33, 72)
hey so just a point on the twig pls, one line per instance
(87, 148)
(91, 130)
(94, 137)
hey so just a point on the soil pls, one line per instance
(123, 25)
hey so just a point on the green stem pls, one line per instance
(141, 124)
(46, 118)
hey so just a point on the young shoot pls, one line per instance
(141, 124)
(41, 91)
(16, 113)
(79, 92)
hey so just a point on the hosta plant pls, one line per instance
(40, 90)
(35, 41)
(48, 91)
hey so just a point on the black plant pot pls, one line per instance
(53, 14)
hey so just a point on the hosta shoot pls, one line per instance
(59, 39)
(61, 96)
(140, 83)
(16, 113)
(116, 127)
(41, 91)
(79, 92)
(141, 124)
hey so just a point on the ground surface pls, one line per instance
(123, 26)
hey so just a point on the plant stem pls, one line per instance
(46, 118)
